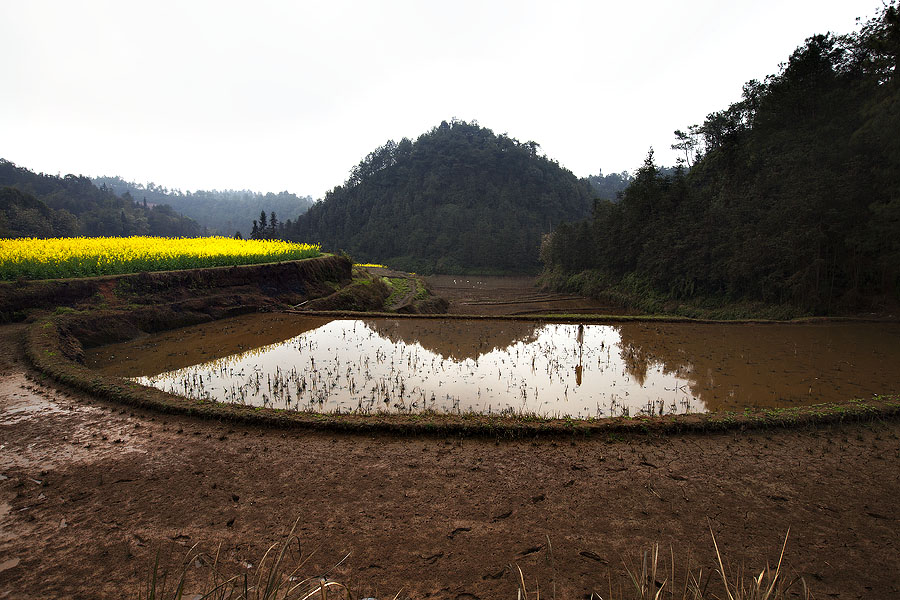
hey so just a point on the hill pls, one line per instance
(220, 212)
(609, 187)
(40, 205)
(458, 199)
(792, 197)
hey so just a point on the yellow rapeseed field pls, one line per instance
(86, 257)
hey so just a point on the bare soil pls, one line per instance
(494, 296)
(90, 492)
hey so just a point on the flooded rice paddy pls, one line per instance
(511, 367)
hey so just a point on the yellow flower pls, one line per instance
(83, 257)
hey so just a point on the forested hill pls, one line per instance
(793, 196)
(39, 205)
(609, 187)
(221, 212)
(458, 199)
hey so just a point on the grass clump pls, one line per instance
(653, 578)
(399, 287)
(272, 579)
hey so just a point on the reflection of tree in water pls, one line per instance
(671, 347)
(644, 346)
(246, 335)
(731, 366)
(637, 360)
(456, 339)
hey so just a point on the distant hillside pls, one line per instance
(39, 205)
(458, 199)
(222, 212)
(609, 187)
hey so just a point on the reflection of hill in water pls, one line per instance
(456, 339)
(734, 366)
(198, 344)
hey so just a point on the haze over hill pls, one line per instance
(458, 199)
(222, 212)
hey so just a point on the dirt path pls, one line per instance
(89, 492)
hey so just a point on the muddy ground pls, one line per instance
(496, 296)
(90, 492)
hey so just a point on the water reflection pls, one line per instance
(247, 335)
(509, 367)
(456, 339)
(730, 367)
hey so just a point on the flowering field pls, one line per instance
(86, 257)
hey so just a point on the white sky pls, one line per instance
(290, 95)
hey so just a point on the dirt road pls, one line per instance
(89, 492)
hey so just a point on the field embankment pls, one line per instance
(634, 294)
(250, 286)
(55, 345)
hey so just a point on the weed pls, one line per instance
(644, 581)
(272, 579)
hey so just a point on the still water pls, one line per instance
(511, 367)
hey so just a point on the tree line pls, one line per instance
(790, 195)
(222, 212)
(40, 205)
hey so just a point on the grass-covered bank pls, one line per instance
(371, 291)
(634, 293)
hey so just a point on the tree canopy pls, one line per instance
(220, 212)
(791, 195)
(40, 205)
(457, 199)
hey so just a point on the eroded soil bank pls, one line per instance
(266, 285)
(90, 491)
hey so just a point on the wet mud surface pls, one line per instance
(89, 492)
(490, 295)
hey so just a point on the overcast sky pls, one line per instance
(290, 95)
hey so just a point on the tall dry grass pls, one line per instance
(651, 577)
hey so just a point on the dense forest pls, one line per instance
(39, 205)
(789, 196)
(458, 199)
(224, 212)
(609, 187)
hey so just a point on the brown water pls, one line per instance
(511, 367)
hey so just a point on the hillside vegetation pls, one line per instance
(789, 196)
(458, 199)
(223, 212)
(40, 205)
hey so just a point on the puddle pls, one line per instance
(511, 367)
(58, 432)
(20, 404)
